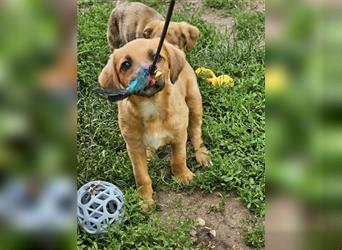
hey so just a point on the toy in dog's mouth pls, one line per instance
(152, 79)
(142, 84)
(155, 84)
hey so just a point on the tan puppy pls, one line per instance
(129, 21)
(151, 122)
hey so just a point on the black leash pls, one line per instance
(153, 67)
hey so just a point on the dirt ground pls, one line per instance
(218, 18)
(222, 214)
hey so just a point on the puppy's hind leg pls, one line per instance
(194, 102)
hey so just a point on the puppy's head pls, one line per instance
(125, 62)
(182, 34)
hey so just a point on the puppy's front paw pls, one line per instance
(186, 177)
(149, 154)
(146, 205)
(145, 192)
(202, 157)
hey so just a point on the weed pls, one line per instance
(219, 208)
(250, 25)
(254, 234)
(229, 5)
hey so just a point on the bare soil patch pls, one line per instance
(218, 18)
(257, 5)
(222, 214)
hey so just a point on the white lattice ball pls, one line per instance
(99, 205)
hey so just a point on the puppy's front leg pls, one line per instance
(137, 154)
(178, 160)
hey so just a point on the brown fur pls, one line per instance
(182, 34)
(164, 118)
(129, 21)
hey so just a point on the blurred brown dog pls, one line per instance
(164, 118)
(129, 21)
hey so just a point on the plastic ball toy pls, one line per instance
(99, 205)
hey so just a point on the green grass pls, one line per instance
(227, 5)
(233, 128)
(255, 236)
(249, 25)
(231, 6)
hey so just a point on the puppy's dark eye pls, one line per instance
(153, 56)
(158, 59)
(126, 65)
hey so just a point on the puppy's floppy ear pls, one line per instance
(108, 77)
(176, 59)
(147, 32)
(190, 35)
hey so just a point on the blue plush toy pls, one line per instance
(135, 87)
(140, 82)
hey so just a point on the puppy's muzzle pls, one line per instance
(155, 84)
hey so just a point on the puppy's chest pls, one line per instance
(157, 131)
